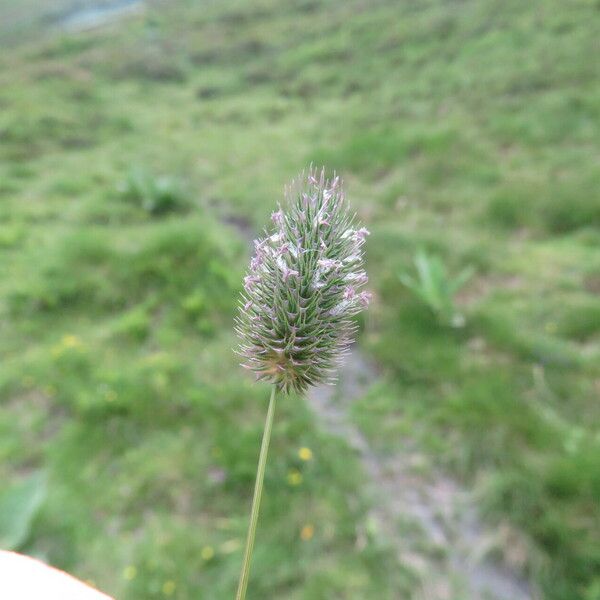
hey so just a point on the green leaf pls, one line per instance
(435, 287)
(19, 505)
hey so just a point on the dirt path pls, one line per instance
(442, 539)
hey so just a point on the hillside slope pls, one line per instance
(136, 159)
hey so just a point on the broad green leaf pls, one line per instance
(19, 505)
(434, 286)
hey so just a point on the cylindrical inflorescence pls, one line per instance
(303, 287)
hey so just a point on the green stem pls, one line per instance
(258, 487)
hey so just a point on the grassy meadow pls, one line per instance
(136, 161)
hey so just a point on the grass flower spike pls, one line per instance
(302, 290)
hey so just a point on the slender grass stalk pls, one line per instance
(300, 296)
(258, 488)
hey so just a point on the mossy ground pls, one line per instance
(469, 128)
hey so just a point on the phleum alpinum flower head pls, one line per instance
(303, 287)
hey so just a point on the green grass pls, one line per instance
(469, 129)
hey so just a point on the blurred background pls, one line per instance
(143, 144)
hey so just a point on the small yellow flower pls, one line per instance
(70, 341)
(67, 342)
(307, 533)
(129, 572)
(305, 454)
(207, 553)
(169, 587)
(294, 477)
